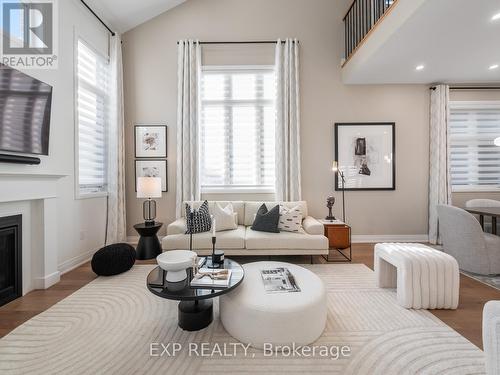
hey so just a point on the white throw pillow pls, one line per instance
(290, 219)
(225, 218)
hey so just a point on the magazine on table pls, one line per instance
(211, 278)
(279, 280)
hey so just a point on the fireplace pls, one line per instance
(10, 258)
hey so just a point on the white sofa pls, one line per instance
(244, 240)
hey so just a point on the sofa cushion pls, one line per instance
(238, 207)
(231, 239)
(284, 240)
(267, 220)
(251, 209)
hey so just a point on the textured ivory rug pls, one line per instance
(107, 328)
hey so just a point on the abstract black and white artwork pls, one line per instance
(365, 154)
(152, 168)
(150, 141)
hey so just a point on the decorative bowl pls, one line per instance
(175, 263)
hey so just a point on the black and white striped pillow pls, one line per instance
(201, 220)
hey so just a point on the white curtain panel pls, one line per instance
(188, 170)
(439, 173)
(116, 225)
(287, 121)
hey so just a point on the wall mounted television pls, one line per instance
(25, 104)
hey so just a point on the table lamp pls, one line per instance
(335, 169)
(149, 187)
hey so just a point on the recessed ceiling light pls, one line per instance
(494, 66)
(496, 17)
(419, 67)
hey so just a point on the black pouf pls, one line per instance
(113, 259)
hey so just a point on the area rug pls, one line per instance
(114, 325)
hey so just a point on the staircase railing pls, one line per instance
(362, 17)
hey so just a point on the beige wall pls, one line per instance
(150, 96)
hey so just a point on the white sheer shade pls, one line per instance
(237, 127)
(93, 74)
(474, 157)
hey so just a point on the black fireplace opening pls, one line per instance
(10, 258)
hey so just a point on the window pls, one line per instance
(474, 158)
(238, 118)
(92, 120)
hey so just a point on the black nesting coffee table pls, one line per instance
(195, 310)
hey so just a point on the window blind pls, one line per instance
(474, 158)
(92, 114)
(238, 118)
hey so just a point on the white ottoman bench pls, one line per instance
(425, 278)
(255, 317)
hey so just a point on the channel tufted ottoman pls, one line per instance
(425, 278)
(255, 317)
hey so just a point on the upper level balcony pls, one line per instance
(421, 42)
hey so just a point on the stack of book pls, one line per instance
(211, 278)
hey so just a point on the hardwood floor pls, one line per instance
(466, 320)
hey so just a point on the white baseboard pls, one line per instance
(375, 238)
(46, 281)
(134, 240)
(72, 263)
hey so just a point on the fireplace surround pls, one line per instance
(10, 258)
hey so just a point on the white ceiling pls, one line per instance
(123, 15)
(456, 41)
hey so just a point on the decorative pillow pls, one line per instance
(290, 219)
(225, 218)
(201, 220)
(267, 221)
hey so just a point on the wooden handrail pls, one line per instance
(367, 15)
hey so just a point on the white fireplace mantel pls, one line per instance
(42, 191)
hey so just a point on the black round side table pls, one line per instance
(149, 246)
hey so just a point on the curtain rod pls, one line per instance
(470, 88)
(245, 42)
(98, 18)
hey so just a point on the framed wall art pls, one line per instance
(365, 153)
(150, 141)
(152, 168)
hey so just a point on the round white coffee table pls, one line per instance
(255, 317)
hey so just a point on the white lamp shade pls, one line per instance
(148, 187)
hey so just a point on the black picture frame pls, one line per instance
(164, 185)
(136, 128)
(392, 125)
